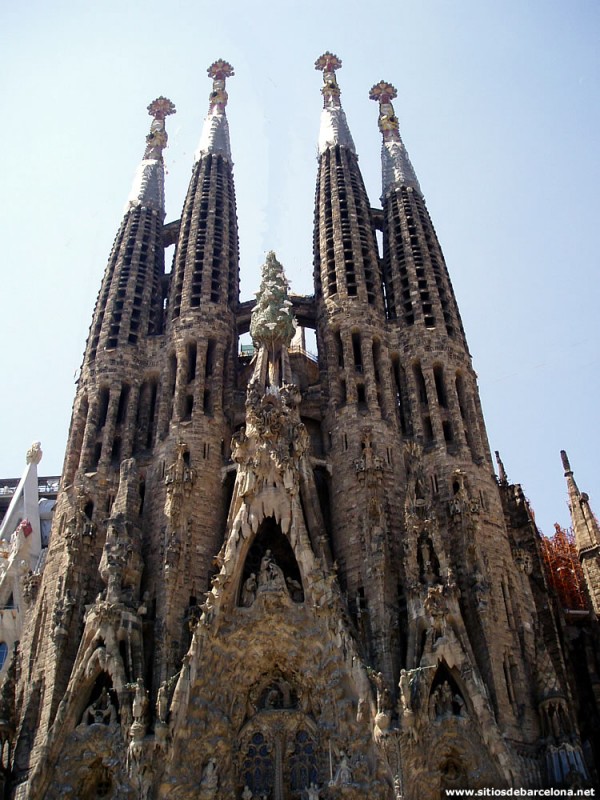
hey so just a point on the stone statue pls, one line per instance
(102, 711)
(441, 701)
(270, 575)
(140, 701)
(249, 590)
(162, 702)
(405, 691)
(295, 590)
(343, 774)
(210, 779)
(247, 793)
(312, 793)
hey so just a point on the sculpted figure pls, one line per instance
(162, 702)
(140, 701)
(270, 575)
(210, 778)
(343, 774)
(249, 590)
(102, 711)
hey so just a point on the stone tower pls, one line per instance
(280, 575)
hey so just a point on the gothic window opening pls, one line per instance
(402, 404)
(440, 388)
(191, 361)
(361, 395)
(507, 605)
(428, 430)
(339, 349)
(210, 358)
(188, 407)
(115, 454)
(270, 566)
(258, 768)
(508, 680)
(103, 407)
(322, 482)
(357, 352)
(421, 386)
(447, 429)
(145, 416)
(462, 405)
(303, 762)
(97, 454)
(122, 405)
(142, 495)
(78, 436)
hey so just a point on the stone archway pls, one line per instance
(270, 565)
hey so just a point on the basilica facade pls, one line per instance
(280, 575)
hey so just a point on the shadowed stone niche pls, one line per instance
(270, 566)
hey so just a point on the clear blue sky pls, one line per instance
(498, 105)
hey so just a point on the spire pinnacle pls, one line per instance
(215, 133)
(502, 476)
(328, 63)
(272, 326)
(397, 169)
(334, 127)
(156, 140)
(565, 462)
(148, 183)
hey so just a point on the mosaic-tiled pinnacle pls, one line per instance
(215, 133)
(148, 189)
(397, 170)
(272, 320)
(334, 127)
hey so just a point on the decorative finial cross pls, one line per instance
(384, 93)
(219, 71)
(327, 64)
(161, 107)
(156, 140)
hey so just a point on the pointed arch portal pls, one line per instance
(271, 564)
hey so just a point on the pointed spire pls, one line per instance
(396, 166)
(272, 316)
(502, 476)
(334, 127)
(272, 326)
(587, 535)
(585, 524)
(148, 189)
(215, 133)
